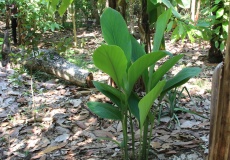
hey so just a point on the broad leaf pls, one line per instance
(182, 77)
(115, 31)
(54, 4)
(63, 7)
(137, 50)
(141, 64)
(219, 13)
(169, 5)
(115, 95)
(105, 110)
(111, 60)
(161, 25)
(146, 102)
(160, 72)
(133, 105)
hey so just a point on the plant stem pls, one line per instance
(149, 138)
(125, 136)
(145, 139)
(132, 133)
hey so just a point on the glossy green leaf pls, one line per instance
(105, 110)
(160, 72)
(137, 50)
(161, 25)
(133, 105)
(115, 31)
(173, 10)
(138, 67)
(146, 102)
(219, 13)
(182, 77)
(64, 5)
(111, 60)
(54, 4)
(112, 93)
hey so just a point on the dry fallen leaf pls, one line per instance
(62, 138)
(50, 149)
(101, 133)
(155, 145)
(189, 124)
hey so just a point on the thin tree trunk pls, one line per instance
(74, 24)
(5, 49)
(7, 15)
(131, 16)
(219, 147)
(197, 12)
(95, 11)
(144, 27)
(193, 9)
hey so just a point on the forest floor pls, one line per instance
(64, 127)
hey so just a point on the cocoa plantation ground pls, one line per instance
(64, 127)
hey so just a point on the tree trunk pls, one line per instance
(50, 62)
(112, 4)
(193, 9)
(197, 12)
(5, 49)
(219, 146)
(144, 27)
(95, 11)
(7, 16)
(74, 24)
(119, 5)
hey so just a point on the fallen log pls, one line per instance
(49, 61)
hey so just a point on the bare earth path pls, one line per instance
(64, 128)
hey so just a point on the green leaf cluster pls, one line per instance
(125, 61)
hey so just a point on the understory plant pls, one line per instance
(125, 61)
(172, 104)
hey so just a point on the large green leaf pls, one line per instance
(133, 105)
(115, 95)
(182, 77)
(219, 13)
(63, 7)
(169, 5)
(161, 25)
(105, 110)
(115, 31)
(141, 64)
(146, 102)
(137, 50)
(111, 60)
(54, 4)
(160, 72)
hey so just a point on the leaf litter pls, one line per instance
(60, 126)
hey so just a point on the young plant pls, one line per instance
(172, 99)
(125, 61)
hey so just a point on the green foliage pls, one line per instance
(108, 21)
(34, 19)
(59, 5)
(219, 23)
(125, 61)
(172, 100)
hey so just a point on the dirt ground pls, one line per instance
(64, 127)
